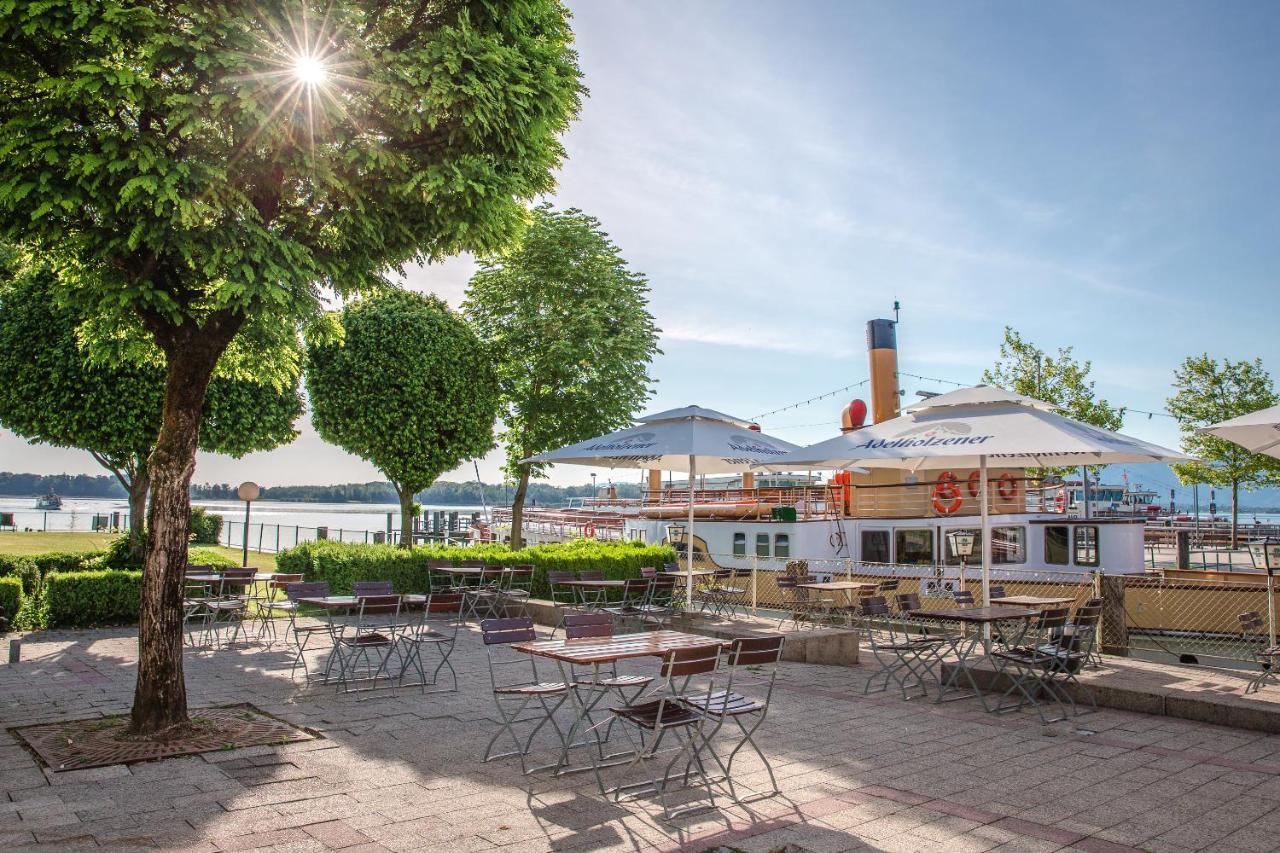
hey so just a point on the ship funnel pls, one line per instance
(882, 351)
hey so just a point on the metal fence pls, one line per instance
(272, 538)
(64, 520)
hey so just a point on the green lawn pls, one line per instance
(23, 544)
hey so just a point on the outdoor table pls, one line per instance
(596, 652)
(261, 577)
(1031, 601)
(601, 587)
(346, 603)
(849, 588)
(971, 641)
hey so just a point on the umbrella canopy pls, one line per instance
(968, 428)
(691, 439)
(1256, 431)
(668, 441)
(974, 424)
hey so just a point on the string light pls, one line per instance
(812, 400)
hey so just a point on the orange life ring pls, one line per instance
(1008, 487)
(589, 530)
(946, 494)
(975, 480)
(1060, 501)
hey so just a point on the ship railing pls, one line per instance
(808, 501)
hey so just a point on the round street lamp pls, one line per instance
(962, 542)
(248, 492)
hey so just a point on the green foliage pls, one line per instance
(85, 599)
(205, 526)
(1206, 392)
(569, 326)
(11, 597)
(410, 388)
(118, 557)
(1026, 369)
(22, 568)
(341, 564)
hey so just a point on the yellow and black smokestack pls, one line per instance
(882, 351)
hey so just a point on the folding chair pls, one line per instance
(720, 595)
(438, 629)
(195, 597)
(802, 607)
(903, 657)
(995, 592)
(375, 632)
(660, 606)
(962, 598)
(564, 597)
(362, 588)
(661, 713)
(231, 603)
(515, 590)
(648, 572)
(635, 593)
(266, 606)
(752, 666)
(513, 694)
(1252, 629)
(1087, 606)
(440, 581)
(1034, 669)
(588, 598)
(599, 679)
(302, 634)
(481, 601)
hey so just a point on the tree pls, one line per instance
(1024, 368)
(200, 169)
(58, 394)
(568, 324)
(1207, 391)
(410, 388)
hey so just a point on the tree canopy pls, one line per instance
(569, 327)
(180, 173)
(410, 388)
(1206, 392)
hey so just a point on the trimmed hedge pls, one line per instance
(22, 568)
(342, 563)
(85, 599)
(11, 597)
(206, 526)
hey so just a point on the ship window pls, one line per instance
(762, 544)
(1086, 545)
(781, 545)
(1057, 544)
(875, 546)
(1008, 545)
(914, 546)
(739, 544)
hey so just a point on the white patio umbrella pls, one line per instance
(691, 439)
(1257, 431)
(968, 428)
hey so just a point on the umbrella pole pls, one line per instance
(986, 543)
(688, 539)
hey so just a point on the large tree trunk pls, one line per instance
(517, 509)
(160, 696)
(406, 516)
(139, 485)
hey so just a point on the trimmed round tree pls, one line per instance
(572, 338)
(198, 168)
(410, 388)
(56, 394)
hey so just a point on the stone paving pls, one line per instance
(401, 771)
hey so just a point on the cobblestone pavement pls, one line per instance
(401, 771)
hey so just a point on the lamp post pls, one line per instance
(1265, 554)
(248, 492)
(962, 546)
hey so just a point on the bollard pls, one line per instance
(15, 650)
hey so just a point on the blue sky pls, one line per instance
(1096, 175)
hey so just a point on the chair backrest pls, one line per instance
(671, 567)
(471, 564)
(888, 586)
(873, 605)
(690, 661)
(907, 601)
(504, 632)
(1092, 602)
(440, 603)
(239, 572)
(1051, 618)
(379, 605)
(439, 564)
(1251, 622)
(996, 592)
(662, 591)
(647, 571)
(307, 589)
(201, 569)
(591, 575)
(756, 651)
(634, 590)
(579, 626)
(787, 582)
(962, 597)
(280, 581)
(362, 588)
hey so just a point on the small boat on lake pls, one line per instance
(49, 501)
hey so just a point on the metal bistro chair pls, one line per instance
(1036, 669)
(1087, 606)
(375, 631)
(799, 606)
(588, 598)
(231, 603)
(1252, 629)
(267, 606)
(660, 607)
(751, 664)
(648, 572)
(903, 657)
(302, 634)
(362, 588)
(440, 581)
(721, 596)
(513, 694)
(564, 597)
(515, 590)
(962, 598)
(598, 680)
(438, 629)
(635, 594)
(483, 600)
(195, 597)
(996, 591)
(661, 713)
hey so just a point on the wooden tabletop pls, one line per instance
(619, 647)
(1031, 600)
(233, 581)
(469, 570)
(341, 602)
(976, 614)
(605, 584)
(697, 573)
(846, 586)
